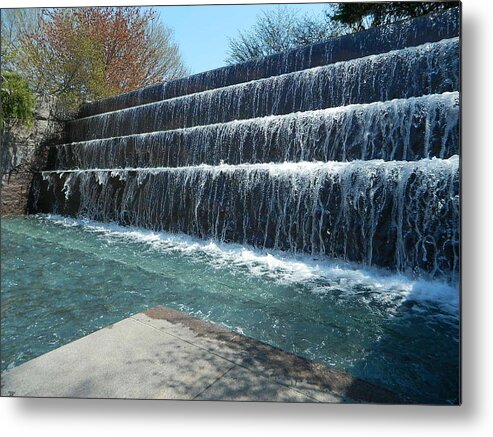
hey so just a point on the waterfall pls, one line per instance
(347, 149)
(430, 28)
(427, 69)
(366, 211)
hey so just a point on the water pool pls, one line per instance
(64, 278)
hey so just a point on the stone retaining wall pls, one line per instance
(24, 151)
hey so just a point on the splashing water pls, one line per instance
(397, 214)
(384, 327)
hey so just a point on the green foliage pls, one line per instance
(360, 16)
(18, 101)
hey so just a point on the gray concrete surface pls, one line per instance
(166, 354)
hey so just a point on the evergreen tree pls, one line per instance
(360, 16)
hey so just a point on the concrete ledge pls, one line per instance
(166, 354)
(276, 363)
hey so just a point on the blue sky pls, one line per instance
(202, 32)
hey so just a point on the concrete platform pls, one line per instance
(166, 354)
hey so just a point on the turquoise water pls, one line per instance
(63, 278)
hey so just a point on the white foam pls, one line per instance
(277, 168)
(320, 275)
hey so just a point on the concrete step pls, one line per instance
(167, 354)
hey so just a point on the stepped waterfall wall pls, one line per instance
(347, 149)
(426, 69)
(432, 28)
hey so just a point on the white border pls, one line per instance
(21, 417)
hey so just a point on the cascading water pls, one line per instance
(403, 129)
(347, 150)
(394, 214)
(428, 69)
(431, 28)
(186, 165)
